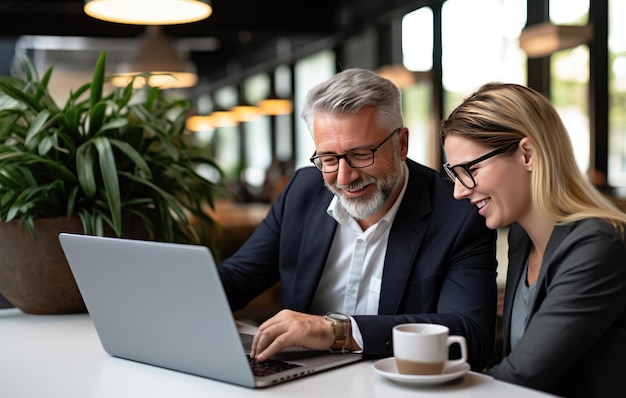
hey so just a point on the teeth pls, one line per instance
(482, 203)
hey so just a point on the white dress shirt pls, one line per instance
(353, 273)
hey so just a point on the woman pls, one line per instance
(564, 322)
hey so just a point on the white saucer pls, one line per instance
(387, 368)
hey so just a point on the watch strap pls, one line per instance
(341, 329)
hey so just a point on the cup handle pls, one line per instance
(460, 340)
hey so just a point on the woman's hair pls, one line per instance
(352, 90)
(500, 114)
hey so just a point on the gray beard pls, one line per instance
(364, 207)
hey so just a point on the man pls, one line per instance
(366, 235)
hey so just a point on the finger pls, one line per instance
(274, 346)
(263, 337)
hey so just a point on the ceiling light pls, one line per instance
(149, 12)
(243, 111)
(398, 75)
(274, 105)
(221, 118)
(545, 38)
(199, 123)
(218, 118)
(157, 57)
(246, 113)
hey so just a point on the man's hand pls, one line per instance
(290, 328)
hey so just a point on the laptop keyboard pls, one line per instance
(269, 366)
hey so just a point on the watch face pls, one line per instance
(338, 316)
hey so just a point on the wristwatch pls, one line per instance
(341, 329)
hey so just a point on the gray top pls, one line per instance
(521, 307)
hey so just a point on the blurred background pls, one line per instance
(437, 52)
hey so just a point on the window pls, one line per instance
(569, 79)
(482, 48)
(617, 96)
(417, 55)
(309, 71)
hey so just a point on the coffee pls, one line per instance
(423, 349)
(419, 368)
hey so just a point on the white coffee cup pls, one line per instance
(423, 348)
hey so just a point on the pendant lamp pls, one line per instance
(218, 118)
(223, 118)
(243, 111)
(274, 105)
(149, 12)
(542, 39)
(200, 123)
(156, 56)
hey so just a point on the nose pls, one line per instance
(460, 190)
(346, 173)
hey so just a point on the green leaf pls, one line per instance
(28, 223)
(114, 124)
(42, 95)
(29, 69)
(74, 96)
(31, 140)
(98, 81)
(71, 201)
(108, 168)
(96, 117)
(127, 94)
(25, 200)
(13, 88)
(135, 156)
(153, 94)
(85, 163)
(45, 145)
(171, 202)
(53, 167)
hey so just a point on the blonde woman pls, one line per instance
(564, 323)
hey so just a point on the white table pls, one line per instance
(60, 356)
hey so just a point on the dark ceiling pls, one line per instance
(247, 31)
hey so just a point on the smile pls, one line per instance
(354, 190)
(482, 203)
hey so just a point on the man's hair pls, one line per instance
(352, 90)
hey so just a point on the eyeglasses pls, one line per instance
(463, 172)
(357, 158)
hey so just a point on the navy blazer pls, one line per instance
(574, 343)
(440, 265)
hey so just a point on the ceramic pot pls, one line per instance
(34, 275)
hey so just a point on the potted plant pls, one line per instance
(104, 164)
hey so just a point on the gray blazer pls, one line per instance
(575, 338)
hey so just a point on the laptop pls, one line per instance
(163, 304)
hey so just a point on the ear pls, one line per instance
(528, 150)
(404, 143)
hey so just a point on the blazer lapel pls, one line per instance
(405, 239)
(559, 233)
(518, 252)
(317, 238)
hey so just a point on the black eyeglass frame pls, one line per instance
(466, 166)
(315, 159)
